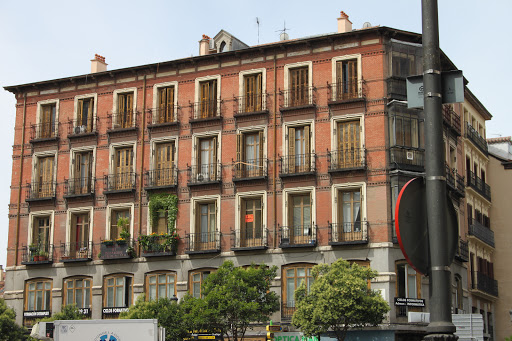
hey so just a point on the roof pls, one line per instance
(501, 139)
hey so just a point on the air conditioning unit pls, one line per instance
(77, 130)
(409, 156)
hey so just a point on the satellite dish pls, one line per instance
(367, 25)
(284, 36)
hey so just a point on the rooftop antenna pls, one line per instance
(284, 35)
(258, 23)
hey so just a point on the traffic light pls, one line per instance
(270, 336)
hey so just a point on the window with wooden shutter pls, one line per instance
(79, 234)
(125, 110)
(118, 291)
(250, 154)
(251, 232)
(208, 99)
(206, 226)
(164, 164)
(299, 149)
(253, 93)
(123, 168)
(166, 105)
(47, 122)
(115, 230)
(85, 115)
(349, 215)
(45, 186)
(82, 176)
(300, 219)
(346, 80)
(207, 159)
(298, 86)
(41, 233)
(349, 144)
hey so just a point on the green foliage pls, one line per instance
(166, 202)
(68, 312)
(508, 338)
(168, 313)
(233, 298)
(338, 299)
(124, 223)
(159, 242)
(9, 330)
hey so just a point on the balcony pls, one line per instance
(479, 185)
(299, 98)
(206, 110)
(77, 130)
(202, 242)
(346, 160)
(250, 170)
(41, 191)
(297, 236)
(79, 187)
(461, 185)
(205, 174)
(462, 251)
(116, 249)
(481, 232)
(454, 181)
(119, 183)
(37, 254)
(44, 132)
(348, 233)
(298, 164)
(161, 178)
(287, 309)
(397, 88)
(472, 135)
(451, 119)
(343, 92)
(76, 252)
(122, 121)
(253, 104)
(486, 284)
(157, 245)
(162, 117)
(407, 158)
(249, 240)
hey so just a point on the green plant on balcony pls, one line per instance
(123, 223)
(164, 241)
(107, 242)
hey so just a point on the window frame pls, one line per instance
(191, 274)
(112, 154)
(157, 273)
(94, 97)
(69, 218)
(129, 295)
(115, 108)
(286, 138)
(118, 207)
(37, 214)
(239, 197)
(336, 201)
(156, 100)
(39, 112)
(241, 134)
(287, 68)
(335, 122)
(195, 202)
(284, 284)
(347, 57)
(417, 280)
(72, 165)
(197, 94)
(288, 194)
(241, 87)
(65, 290)
(49, 292)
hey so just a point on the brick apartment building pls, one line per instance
(289, 153)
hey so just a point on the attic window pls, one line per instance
(222, 46)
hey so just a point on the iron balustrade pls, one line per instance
(202, 242)
(475, 137)
(76, 128)
(461, 185)
(451, 118)
(164, 177)
(252, 103)
(250, 168)
(479, 185)
(122, 120)
(204, 173)
(79, 186)
(206, 109)
(119, 182)
(298, 164)
(37, 254)
(346, 159)
(297, 235)
(250, 239)
(165, 115)
(287, 309)
(397, 88)
(348, 233)
(49, 130)
(298, 97)
(450, 176)
(406, 157)
(486, 284)
(481, 232)
(462, 251)
(345, 91)
(159, 245)
(40, 190)
(74, 251)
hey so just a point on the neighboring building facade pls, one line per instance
(290, 154)
(500, 180)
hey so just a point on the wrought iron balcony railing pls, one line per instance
(461, 185)
(44, 131)
(297, 236)
(298, 97)
(161, 178)
(287, 309)
(486, 284)
(348, 159)
(77, 128)
(462, 251)
(256, 238)
(162, 116)
(251, 103)
(479, 185)
(481, 232)
(37, 254)
(122, 120)
(79, 186)
(475, 137)
(348, 233)
(157, 245)
(250, 169)
(397, 88)
(206, 109)
(202, 242)
(407, 158)
(41, 190)
(204, 174)
(76, 251)
(451, 119)
(298, 164)
(345, 91)
(120, 182)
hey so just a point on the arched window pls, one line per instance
(293, 275)
(160, 284)
(117, 291)
(78, 291)
(222, 46)
(38, 294)
(196, 280)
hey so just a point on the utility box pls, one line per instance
(470, 327)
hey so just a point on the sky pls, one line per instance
(50, 39)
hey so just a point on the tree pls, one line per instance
(232, 299)
(9, 330)
(338, 299)
(68, 312)
(168, 313)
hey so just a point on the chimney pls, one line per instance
(344, 25)
(204, 45)
(98, 64)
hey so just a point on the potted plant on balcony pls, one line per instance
(107, 242)
(42, 255)
(123, 223)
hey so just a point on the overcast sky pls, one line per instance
(43, 40)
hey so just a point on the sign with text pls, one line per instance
(114, 311)
(249, 218)
(293, 336)
(409, 302)
(36, 313)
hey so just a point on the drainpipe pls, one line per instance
(274, 169)
(142, 158)
(16, 247)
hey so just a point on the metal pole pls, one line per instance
(441, 326)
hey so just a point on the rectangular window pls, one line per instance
(115, 230)
(44, 177)
(251, 224)
(408, 281)
(249, 155)
(118, 291)
(406, 131)
(349, 151)
(208, 99)
(299, 149)
(79, 233)
(346, 79)
(78, 291)
(41, 233)
(293, 277)
(47, 121)
(38, 295)
(123, 168)
(125, 113)
(160, 285)
(164, 164)
(196, 280)
(207, 159)
(82, 173)
(206, 226)
(84, 115)
(349, 212)
(252, 93)
(300, 229)
(161, 223)
(166, 105)
(298, 86)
